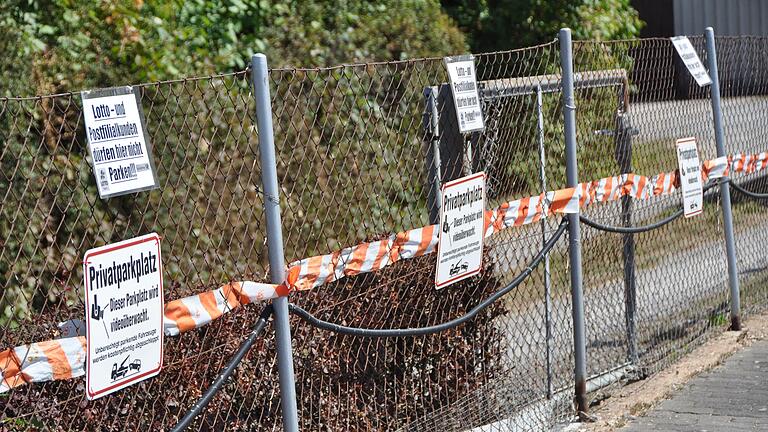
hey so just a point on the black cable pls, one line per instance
(714, 183)
(226, 372)
(753, 195)
(635, 230)
(419, 331)
(630, 230)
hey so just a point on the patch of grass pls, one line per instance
(653, 157)
(754, 291)
(719, 319)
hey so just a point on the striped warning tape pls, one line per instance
(748, 163)
(42, 361)
(198, 310)
(65, 358)
(313, 272)
(318, 270)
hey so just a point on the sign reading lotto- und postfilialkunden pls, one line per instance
(691, 60)
(460, 244)
(690, 176)
(124, 314)
(118, 141)
(463, 82)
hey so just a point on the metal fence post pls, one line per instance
(260, 80)
(574, 232)
(432, 133)
(725, 192)
(623, 148)
(547, 278)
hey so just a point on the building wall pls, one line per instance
(666, 18)
(743, 70)
(727, 17)
(658, 16)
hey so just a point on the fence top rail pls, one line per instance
(284, 69)
(406, 61)
(4, 99)
(551, 82)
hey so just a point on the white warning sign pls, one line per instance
(461, 73)
(124, 314)
(691, 60)
(690, 176)
(460, 245)
(118, 141)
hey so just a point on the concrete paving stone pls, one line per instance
(732, 398)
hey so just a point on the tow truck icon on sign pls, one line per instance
(125, 370)
(458, 267)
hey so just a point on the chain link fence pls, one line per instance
(357, 162)
(744, 109)
(208, 212)
(649, 296)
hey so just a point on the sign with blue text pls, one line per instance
(460, 239)
(118, 142)
(124, 314)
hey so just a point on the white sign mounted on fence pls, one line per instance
(118, 141)
(691, 60)
(124, 314)
(690, 176)
(460, 244)
(466, 100)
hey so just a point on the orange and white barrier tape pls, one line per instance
(363, 258)
(43, 361)
(313, 272)
(65, 358)
(748, 164)
(198, 310)
(715, 168)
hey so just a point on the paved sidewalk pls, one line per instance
(731, 397)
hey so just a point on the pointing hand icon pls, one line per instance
(97, 312)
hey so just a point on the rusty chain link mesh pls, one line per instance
(354, 147)
(208, 211)
(356, 162)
